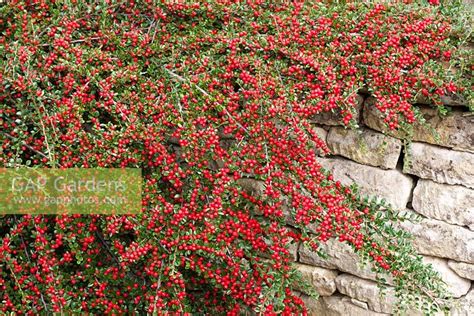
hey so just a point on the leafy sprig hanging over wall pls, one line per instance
(214, 101)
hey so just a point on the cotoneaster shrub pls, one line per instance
(203, 97)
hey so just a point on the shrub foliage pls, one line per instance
(214, 101)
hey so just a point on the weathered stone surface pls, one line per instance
(463, 269)
(365, 146)
(338, 305)
(359, 303)
(453, 131)
(293, 249)
(455, 99)
(464, 306)
(315, 306)
(342, 305)
(372, 181)
(450, 203)
(252, 187)
(341, 257)
(322, 280)
(367, 291)
(440, 164)
(437, 238)
(456, 285)
(333, 119)
(451, 100)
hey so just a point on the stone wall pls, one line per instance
(434, 178)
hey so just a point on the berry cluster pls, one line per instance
(214, 101)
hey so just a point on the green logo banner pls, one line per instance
(70, 191)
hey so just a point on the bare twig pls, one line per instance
(51, 157)
(154, 32)
(26, 145)
(76, 41)
(158, 286)
(106, 246)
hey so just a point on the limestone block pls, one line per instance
(440, 164)
(392, 185)
(321, 280)
(252, 187)
(455, 99)
(457, 286)
(454, 131)
(342, 257)
(463, 269)
(365, 146)
(293, 249)
(336, 305)
(367, 291)
(359, 303)
(339, 305)
(450, 203)
(440, 239)
(451, 100)
(464, 306)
